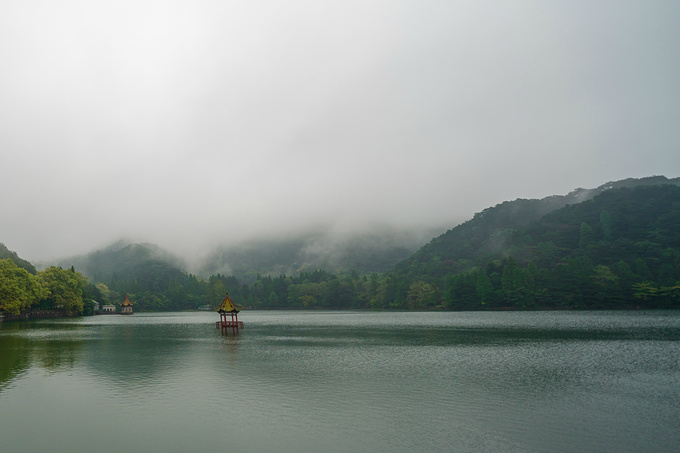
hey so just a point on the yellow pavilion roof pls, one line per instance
(228, 306)
(126, 302)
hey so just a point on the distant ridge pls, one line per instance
(377, 250)
(612, 247)
(489, 233)
(6, 253)
(119, 258)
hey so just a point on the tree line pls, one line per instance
(576, 282)
(618, 250)
(51, 289)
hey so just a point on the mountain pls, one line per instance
(157, 280)
(6, 253)
(619, 249)
(367, 252)
(492, 233)
(615, 246)
(120, 259)
(154, 278)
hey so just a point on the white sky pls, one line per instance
(188, 123)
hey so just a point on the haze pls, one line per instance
(194, 123)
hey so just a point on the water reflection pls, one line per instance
(137, 350)
(343, 381)
(23, 346)
(15, 358)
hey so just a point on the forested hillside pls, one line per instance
(491, 233)
(150, 275)
(617, 246)
(621, 248)
(64, 292)
(6, 253)
(375, 250)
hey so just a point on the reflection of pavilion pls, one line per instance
(228, 307)
(126, 306)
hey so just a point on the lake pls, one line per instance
(295, 381)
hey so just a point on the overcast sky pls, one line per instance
(187, 123)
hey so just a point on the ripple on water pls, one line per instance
(379, 382)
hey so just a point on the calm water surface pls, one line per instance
(343, 382)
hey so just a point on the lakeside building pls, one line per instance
(126, 306)
(109, 308)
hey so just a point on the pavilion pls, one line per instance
(126, 306)
(229, 307)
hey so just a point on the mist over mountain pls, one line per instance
(120, 257)
(495, 232)
(376, 250)
(615, 246)
(379, 249)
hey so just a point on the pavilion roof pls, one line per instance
(228, 306)
(126, 302)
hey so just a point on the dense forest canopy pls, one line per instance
(617, 246)
(54, 288)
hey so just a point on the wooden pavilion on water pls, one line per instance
(126, 306)
(228, 307)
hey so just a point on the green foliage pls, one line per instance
(19, 290)
(103, 292)
(63, 289)
(422, 296)
(594, 254)
(619, 249)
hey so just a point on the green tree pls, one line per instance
(104, 291)
(606, 225)
(670, 296)
(18, 288)
(483, 288)
(646, 292)
(460, 292)
(63, 289)
(339, 294)
(273, 300)
(514, 282)
(422, 295)
(586, 237)
(605, 283)
(305, 295)
(91, 296)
